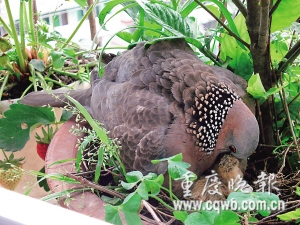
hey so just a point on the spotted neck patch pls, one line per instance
(209, 113)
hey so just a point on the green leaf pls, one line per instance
(239, 198)
(134, 176)
(272, 91)
(286, 13)
(240, 59)
(126, 36)
(152, 187)
(196, 218)
(107, 9)
(278, 49)
(130, 207)
(128, 186)
(188, 8)
(210, 215)
(66, 115)
(99, 130)
(109, 200)
(142, 191)
(38, 64)
(99, 164)
(150, 176)
(180, 215)
(19, 120)
(80, 151)
(159, 180)
(69, 52)
(150, 33)
(298, 191)
(177, 169)
(112, 215)
(167, 18)
(82, 3)
(243, 65)
(58, 59)
(255, 86)
(227, 218)
(293, 215)
(42, 182)
(268, 198)
(252, 219)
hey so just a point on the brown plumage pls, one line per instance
(161, 100)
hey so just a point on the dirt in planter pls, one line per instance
(15, 90)
(15, 87)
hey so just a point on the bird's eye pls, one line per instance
(232, 148)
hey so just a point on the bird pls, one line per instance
(160, 100)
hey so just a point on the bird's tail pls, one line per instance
(56, 98)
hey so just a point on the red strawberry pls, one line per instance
(42, 150)
(43, 142)
(10, 172)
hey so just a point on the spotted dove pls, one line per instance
(160, 100)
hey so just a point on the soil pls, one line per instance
(17, 90)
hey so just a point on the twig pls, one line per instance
(293, 202)
(151, 211)
(149, 221)
(288, 116)
(275, 6)
(290, 56)
(262, 221)
(291, 102)
(284, 158)
(261, 126)
(223, 24)
(86, 182)
(241, 7)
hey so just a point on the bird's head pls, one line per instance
(240, 133)
(223, 123)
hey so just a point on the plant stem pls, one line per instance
(142, 22)
(290, 56)
(26, 19)
(32, 72)
(170, 187)
(3, 85)
(66, 73)
(285, 106)
(275, 6)
(167, 190)
(79, 24)
(22, 28)
(15, 37)
(87, 51)
(162, 202)
(55, 82)
(5, 155)
(31, 23)
(224, 25)
(241, 7)
(6, 27)
(100, 67)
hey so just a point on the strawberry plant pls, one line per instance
(28, 60)
(43, 142)
(10, 171)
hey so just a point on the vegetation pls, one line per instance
(256, 39)
(28, 62)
